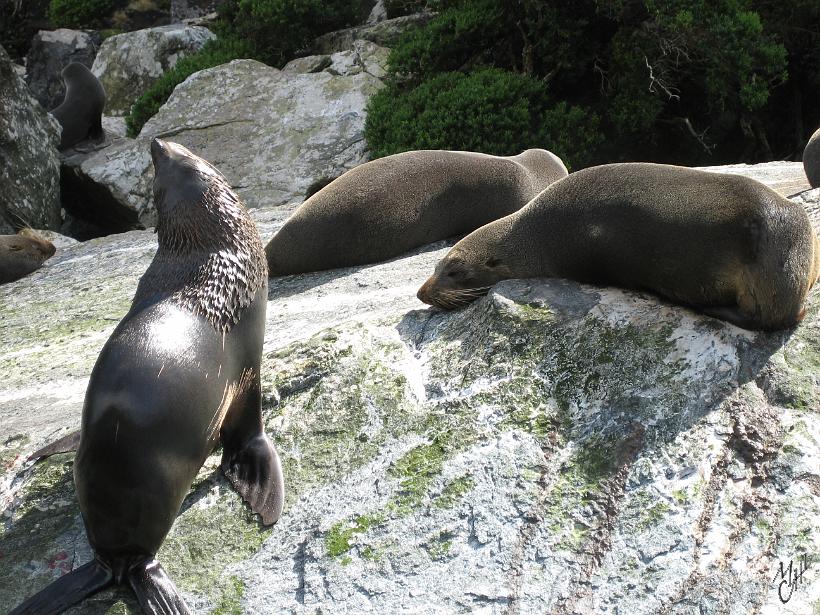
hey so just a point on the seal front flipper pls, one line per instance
(68, 590)
(155, 591)
(249, 459)
(66, 444)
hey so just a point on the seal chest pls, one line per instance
(389, 206)
(179, 373)
(723, 244)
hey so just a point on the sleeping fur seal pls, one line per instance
(80, 113)
(811, 159)
(179, 373)
(389, 206)
(724, 244)
(22, 253)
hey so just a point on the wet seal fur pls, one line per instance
(179, 373)
(80, 113)
(22, 253)
(394, 204)
(811, 159)
(723, 244)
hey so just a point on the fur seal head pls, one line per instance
(22, 253)
(210, 258)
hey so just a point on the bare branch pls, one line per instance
(700, 137)
(668, 90)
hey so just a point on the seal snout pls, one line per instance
(423, 292)
(159, 150)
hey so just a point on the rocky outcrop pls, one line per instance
(183, 10)
(786, 178)
(29, 173)
(128, 64)
(274, 134)
(384, 33)
(51, 51)
(552, 448)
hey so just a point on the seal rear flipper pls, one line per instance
(155, 590)
(66, 444)
(256, 473)
(68, 590)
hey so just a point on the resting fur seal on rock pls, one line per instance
(724, 244)
(80, 113)
(391, 205)
(811, 159)
(179, 373)
(22, 253)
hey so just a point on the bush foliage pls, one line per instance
(78, 13)
(686, 81)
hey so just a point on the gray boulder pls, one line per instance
(51, 51)
(274, 134)
(811, 159)
(552, 448)
(30, 172)
(786, 178)
(184, 10)
(385, 33)
(128, 64)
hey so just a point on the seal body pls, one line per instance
(21, 254)
(724, 244)
(811, 159)
(180, 373)
(80, 113)
(394, 204)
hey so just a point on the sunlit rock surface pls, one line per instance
(552, 448)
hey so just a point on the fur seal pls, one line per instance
(391, 205)
(724, 244)
(22, 253)
(179, 373)
(811, 159)
(80, 113)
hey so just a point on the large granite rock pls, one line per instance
(51, 51)
(29, 167)
(128, 64)
(274, 134)
(552, 448)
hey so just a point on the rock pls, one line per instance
(51, 51)
(787, 178)
(377, 14)
(811, 159)
(552, 448)
(364, 57)
(114, 125)
(128, 64)
(29, 173)
(183, 10)
(385, 33)
(308, 64)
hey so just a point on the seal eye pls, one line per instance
(493, 262)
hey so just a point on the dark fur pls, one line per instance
(21, 254)
(389, 206)
(179, 373)
(80, 113)
(811, 159)
(724, 244)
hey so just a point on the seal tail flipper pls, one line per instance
(66, 444)
(256, 473)
(68, 590)
(155, 591)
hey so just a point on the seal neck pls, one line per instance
(210, 259)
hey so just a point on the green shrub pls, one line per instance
(79, 13)
(397, 8)
(490, 110)
(214, 53)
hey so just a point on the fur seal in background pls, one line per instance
(811, 159)
(391, 205)
(724, 244)
(80, 113)
(22, 253)
(179, 373)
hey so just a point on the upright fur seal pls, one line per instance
(811, 159)
(22, 253)
(80, 113)
(179, 373)
(388, 206)
(724, 244)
